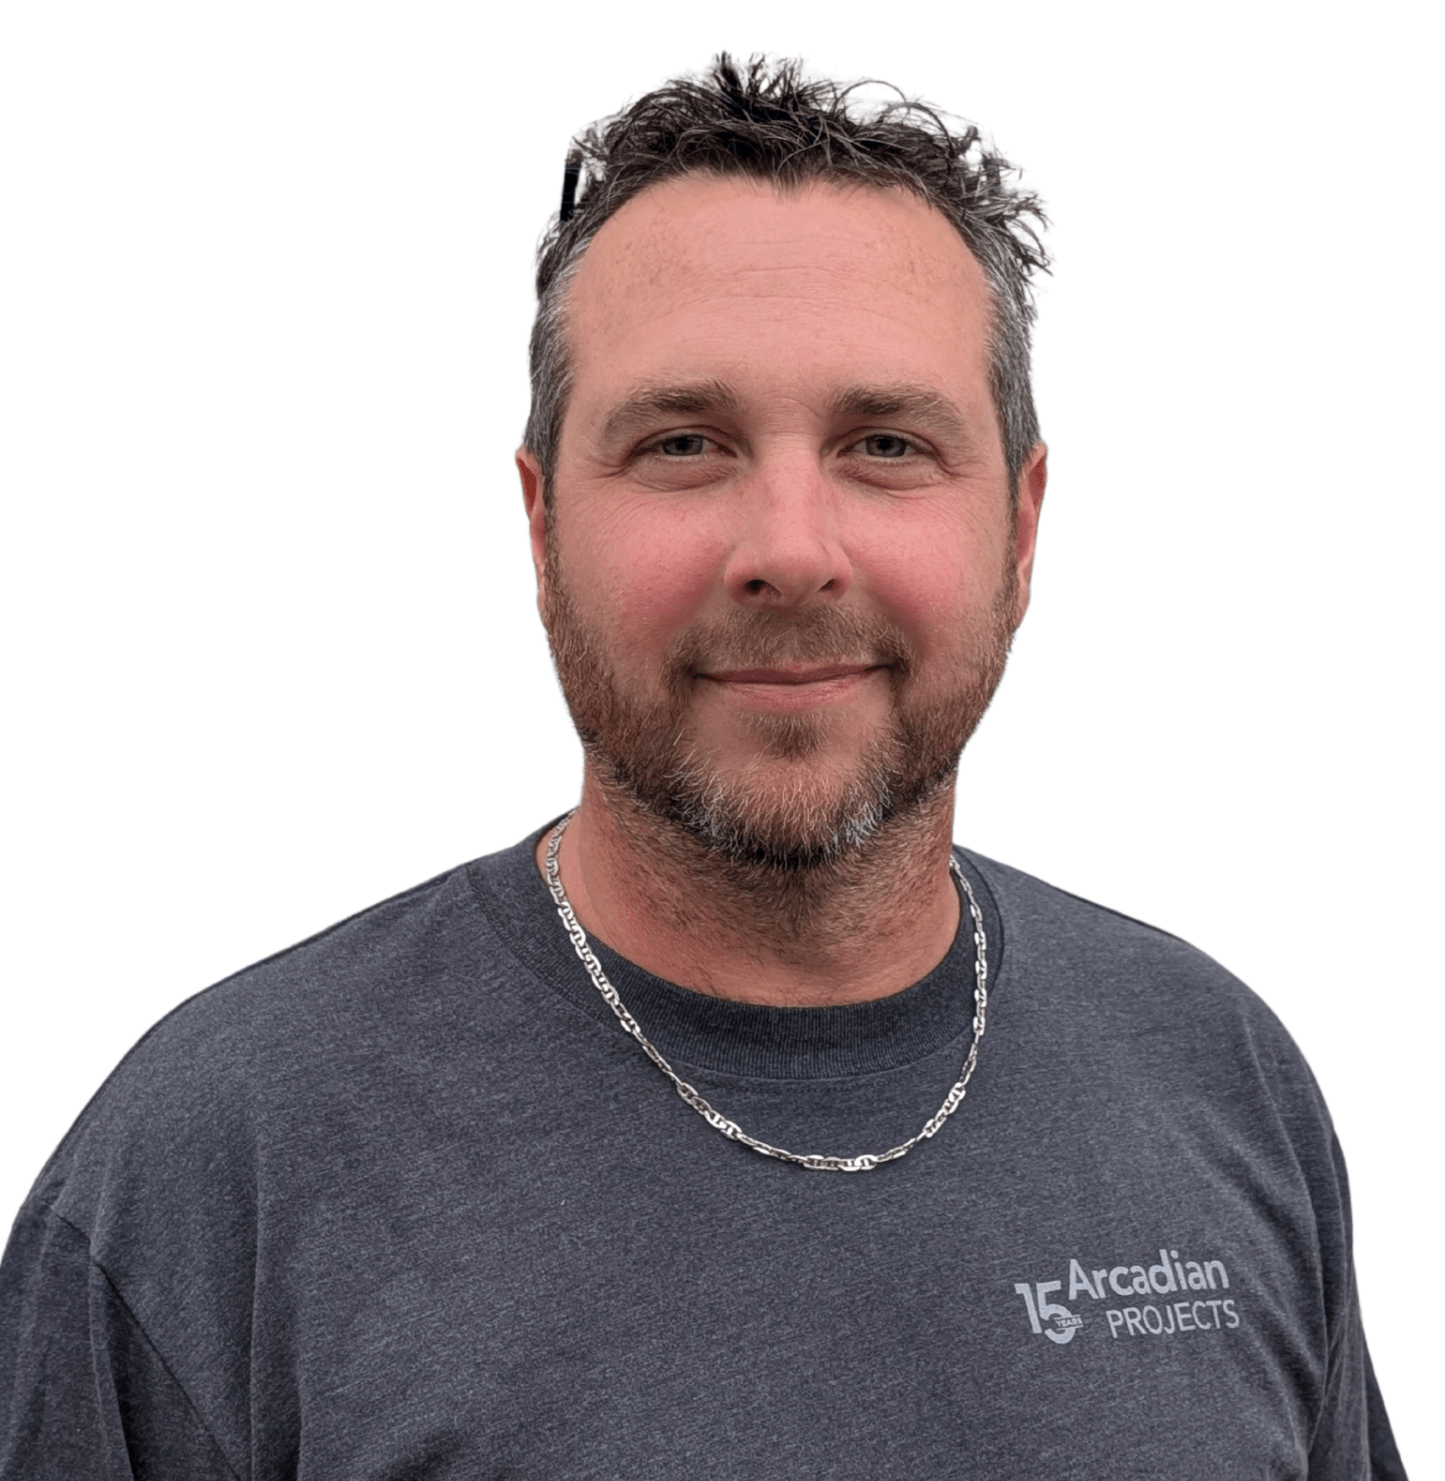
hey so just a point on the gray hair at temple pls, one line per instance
(766, 121)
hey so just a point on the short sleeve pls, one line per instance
(1352, 1439)
(84, 1396)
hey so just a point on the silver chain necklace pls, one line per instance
(716, 1119)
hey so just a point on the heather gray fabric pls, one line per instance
(405, 1202)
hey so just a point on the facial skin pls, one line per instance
(780, 570)
(804, 784)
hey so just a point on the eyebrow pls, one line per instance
(885, 401)
(691, 398)
(638, 410)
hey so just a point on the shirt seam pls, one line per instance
(54, 1213)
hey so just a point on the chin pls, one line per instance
(788, 810)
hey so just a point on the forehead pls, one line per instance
(732, 277)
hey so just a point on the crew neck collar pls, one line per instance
(726, 1037)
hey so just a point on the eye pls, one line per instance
(682, 445)
(886, 445)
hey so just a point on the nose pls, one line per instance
(788, 548)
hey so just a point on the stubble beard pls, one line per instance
(788, 810)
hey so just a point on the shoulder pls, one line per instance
(1142, 1006)
(1078, 942)
(224, 1071)
(262, 1114)
(1147, 1037)
(1067, 927)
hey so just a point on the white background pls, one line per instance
(270, 648)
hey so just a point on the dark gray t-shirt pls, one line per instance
(404, 1201)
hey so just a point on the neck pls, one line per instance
(866, 926)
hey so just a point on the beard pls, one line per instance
(787, 809)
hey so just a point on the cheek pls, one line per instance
(650, 577)
(935, 580)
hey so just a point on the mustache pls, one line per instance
(747, 639)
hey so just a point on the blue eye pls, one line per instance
(886, 445)
(684, 445)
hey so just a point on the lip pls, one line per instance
(784, 691)
(814, 674)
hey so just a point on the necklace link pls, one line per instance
(865, 1161)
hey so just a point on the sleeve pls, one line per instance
(1385, 1463)
(84, 1395)
(1352, 1439)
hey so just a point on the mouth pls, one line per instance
(788, 689)
(807, 674)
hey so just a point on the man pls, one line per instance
(1007, 1185)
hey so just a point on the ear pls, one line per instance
(1032, 478)
(534, 500)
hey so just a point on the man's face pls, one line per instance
(779, 574)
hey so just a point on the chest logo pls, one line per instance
(1193, 1288)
